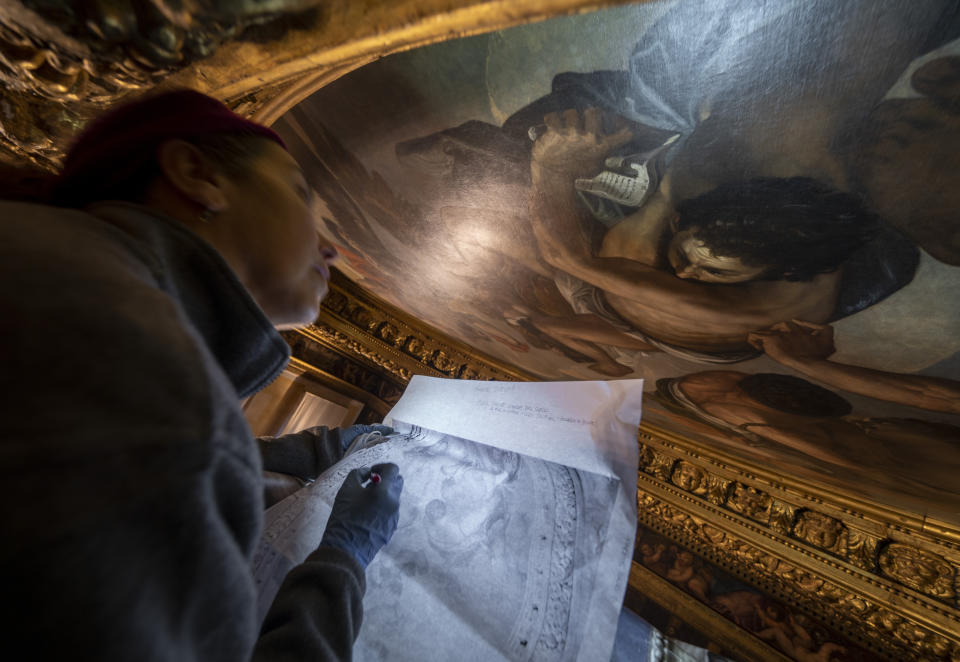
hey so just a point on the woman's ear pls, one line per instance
(188, 171)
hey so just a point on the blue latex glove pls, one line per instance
(348, 435)
(364, 518)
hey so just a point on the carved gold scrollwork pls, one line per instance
(470, 373)
(62, 61)
(862, 550)
(713, 534)
(442, 362)
(922, 571)
(163, 33)
(750, 502)
(782, 516)
(335, 302)
(901, 635)
(645, 457)
(362, 318)
(717, 489)
(388, 333)
(661, 465)
(415, 348)
(352, 346)
(389, 338)
(821, 531)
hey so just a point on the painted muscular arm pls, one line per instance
(805, 347)
(717, 392)
(574, 146)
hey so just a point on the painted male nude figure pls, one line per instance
(913, 457)
(685, 272)
(659, 280)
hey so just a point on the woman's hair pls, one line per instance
(130, 181)
(25, 183)
(796, 226)
(115, 157)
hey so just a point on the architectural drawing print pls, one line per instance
(494, 558)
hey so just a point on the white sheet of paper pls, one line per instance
(516, 524)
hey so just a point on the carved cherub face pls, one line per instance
(687, 476)
(818, 531)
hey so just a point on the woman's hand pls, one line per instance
(365, 512)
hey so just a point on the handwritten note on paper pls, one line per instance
(528, 411)
(586, 425)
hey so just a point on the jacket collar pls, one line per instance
(239, 335)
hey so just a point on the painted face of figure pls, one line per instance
(692, 259)
(284, 263)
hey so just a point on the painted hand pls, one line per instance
(364, 518)
(795, 340)
(574, 144)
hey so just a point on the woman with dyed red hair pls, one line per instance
(136, 308)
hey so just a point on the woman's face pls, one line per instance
(278, 254)
(692, 259)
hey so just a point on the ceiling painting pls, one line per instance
(753, 205)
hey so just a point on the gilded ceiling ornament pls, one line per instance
(689, 477)
(163, 33)
(862, 550)
(821, 531)
(717, 489)
(898, 635)
(782, 517)
(661, 466)
(62, 61)
(388, 333)
(750, 502)
(922, 571)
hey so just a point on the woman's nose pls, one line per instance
(328, 251)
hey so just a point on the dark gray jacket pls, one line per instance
(132, 489)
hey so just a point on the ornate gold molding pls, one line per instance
(61, 62)
(385, 338)
(908, 520)
(881, 579)
(348, 369)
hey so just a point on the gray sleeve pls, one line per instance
(317, 613)
(305, 454)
